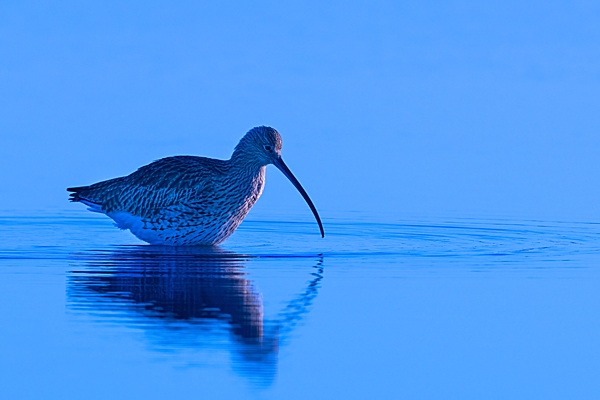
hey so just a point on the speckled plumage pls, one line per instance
(188, 200)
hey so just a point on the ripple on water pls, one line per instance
(66, 236)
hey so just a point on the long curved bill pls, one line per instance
(286, 171)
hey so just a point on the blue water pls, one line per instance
(415, 309)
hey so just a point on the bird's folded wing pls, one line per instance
(163, 184)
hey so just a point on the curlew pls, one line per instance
(189, 200)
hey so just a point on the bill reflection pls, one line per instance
(187, 299)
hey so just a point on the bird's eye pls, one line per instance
(267, 147)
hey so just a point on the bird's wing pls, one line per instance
(165, 183)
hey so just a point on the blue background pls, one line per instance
(424, 112)
(424, 108)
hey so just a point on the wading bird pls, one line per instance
(188, 200)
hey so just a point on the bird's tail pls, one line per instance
(81, 194)
(76, 192)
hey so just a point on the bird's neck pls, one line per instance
(248, 177)
(242, 161)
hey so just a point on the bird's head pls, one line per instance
(262, 146)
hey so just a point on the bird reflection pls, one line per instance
(169, 287)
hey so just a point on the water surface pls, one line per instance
(464, 308)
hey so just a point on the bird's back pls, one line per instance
(161, 184)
